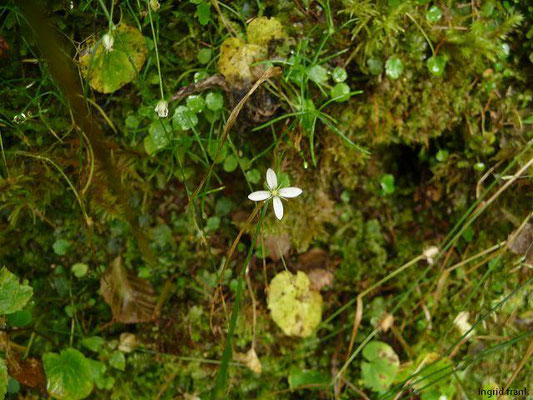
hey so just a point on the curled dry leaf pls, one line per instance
(28, 371)
(277, 245)
(522, 243)
(313, 259)
(320, 277)
(128, 342)
(250, 359)
(131, 298)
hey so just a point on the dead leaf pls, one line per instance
(522, 244)
(131, 298)
(28, 372)
(386, 322)
(319, 278)
(313, 259)
(277, 246)
(250, 359)
(128, 342)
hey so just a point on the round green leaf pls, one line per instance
(254, 175)
(375, 66)
(387, 184)
(160, 134)
(394, 67)
(195, 103)
(223, 207)
(68, 375)
(115, 60)
(436, 65)
(214, 101)
(184, 118)
(434, 14)
(61, 247)
(79, 270)
(93, 343)
(13, 295)
(230, 163)
(13, 386)
(340, 91)
(204, 55)
(339, 74)
(317, 73)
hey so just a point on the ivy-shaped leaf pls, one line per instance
(131, 298)
(381, 367)
(68, 375)
(13, 295)
(115, 60)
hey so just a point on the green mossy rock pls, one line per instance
(294, 307)
(108, 69)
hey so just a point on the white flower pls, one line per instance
(275, 192)
(162, 109)
(108, 41)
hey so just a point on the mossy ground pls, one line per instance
(421, 154)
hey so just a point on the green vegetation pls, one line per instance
(133, 265)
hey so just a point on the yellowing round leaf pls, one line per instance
(294, 307)
(115, 61)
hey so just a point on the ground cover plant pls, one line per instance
(266, 199)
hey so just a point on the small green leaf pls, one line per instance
(213, 223)
(93, 343)
(79, 270)
(12, 386)
(184, 118)
(61, 247)
(341, 91)
(387, 184)
(204, 55)
(117, 360)
(442, 155)
(203, 10)
(317, 73)
(479, 166)
(231, 163)
(339, 74)
(299, 377)
(68, 375)
(19, 318)
(214, 101)
(223, 207)
(254, 175)
(160, 133)
(375, 66)
(195, 103)
(3, 379)
(13, 295)
(434, 14)
(394, 67)
(436, 65)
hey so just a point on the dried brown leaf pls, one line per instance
(131, 298)
(277, 245)
(320, 277)
(522, 243)
(250, 359)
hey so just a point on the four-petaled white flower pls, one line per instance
(275, 192)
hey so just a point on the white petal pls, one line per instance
(272, 181)
(259, 195)
(278, 207)
(290, 192)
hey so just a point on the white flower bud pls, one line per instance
(430, 253)
(108, 41)
(162, 109)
